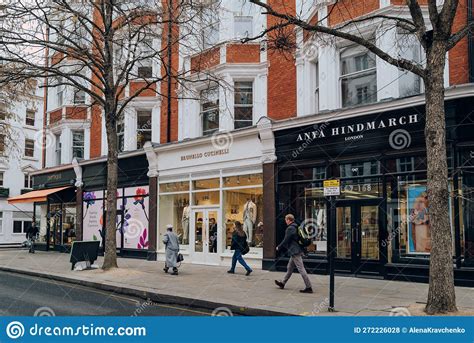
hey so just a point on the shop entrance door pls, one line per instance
(205, 234)
(357, 227)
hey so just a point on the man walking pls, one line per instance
(290, 243)
(31, 234)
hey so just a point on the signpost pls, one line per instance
(332, 188)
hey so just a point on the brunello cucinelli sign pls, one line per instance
(356, 131)
(204, 154)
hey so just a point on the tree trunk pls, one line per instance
(110, 258)
(441, 294)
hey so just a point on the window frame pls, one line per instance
(30, 148)
(141, 130)
(79, 100)
(239, 19)
(28, 119)
(75, 147)
(215, 108)
(243, 106)
(27, 184)
(2, 178)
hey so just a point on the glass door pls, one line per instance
(357, 227)
(205, 236)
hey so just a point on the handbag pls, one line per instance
(180, 258)
(245, 250)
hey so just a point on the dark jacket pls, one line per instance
(238, 242)
(32, 231)
(290, 242)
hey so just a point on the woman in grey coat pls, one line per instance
(172, 249)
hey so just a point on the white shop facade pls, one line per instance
(204, 186)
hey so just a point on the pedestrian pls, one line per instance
(290, 243)
(171, 242)
(240, 247)
(31, 234)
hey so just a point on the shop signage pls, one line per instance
(332, 188)
(355, 131)
(206, 154)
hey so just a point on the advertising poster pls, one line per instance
(135, 218)
(93, 211)
(419, 236)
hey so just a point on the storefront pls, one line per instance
(205, 186)
(382, 217)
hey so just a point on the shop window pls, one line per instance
(315, 219)
(243, 104)
(405, 164)
(467, 222)
(358, 76)
(143, 128)
(206, 198)
(175, 210)
(243, 26)
(243, 180)
(120, 134)
(30, 117)
(244, 205)
(78, 144)
(79, 97)
(206, 184)
(360, 169)
(29, 147)
(210, 110)
(173, 187)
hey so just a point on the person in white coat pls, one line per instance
(171, 241)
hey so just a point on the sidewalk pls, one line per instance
(212, 287)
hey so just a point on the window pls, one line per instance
(358, 77)
(59, 92)
(79, 97)
(1, 222)
(28, 180)
(30, 117)
(1, 179)
(78, 144)
(243, 26)
(210, 110)
(21, 226)
(29, 147)
(409, 48)
(143, 128)
(405, 164)
(3, 112)
(145, 72)
(120, 134)
(58, 149)
(243, 104)
(316, 86)
(209, 27)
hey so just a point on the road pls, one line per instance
(22, 295)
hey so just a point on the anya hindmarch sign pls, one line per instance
(356, 131)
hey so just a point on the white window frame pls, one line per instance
(28, 117)
(74, 147)
(244, 105)
(240, 23)
(32, 149)
(27, 181)
(149, 128)
(58, 150)
(2, 177)
(79, 97)
(203, 113)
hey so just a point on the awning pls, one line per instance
(35, 196)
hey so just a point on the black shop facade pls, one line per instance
(382, 213)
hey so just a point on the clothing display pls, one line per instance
(320, 219)
(185, 224)
(249, 219)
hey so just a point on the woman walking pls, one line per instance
(240, 247)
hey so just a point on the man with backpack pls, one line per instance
(294, 249)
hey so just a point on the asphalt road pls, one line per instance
(22, 295)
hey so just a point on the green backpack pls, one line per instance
(304, 236)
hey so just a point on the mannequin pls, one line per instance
(250, 217)
(320, 219)
(185, 223)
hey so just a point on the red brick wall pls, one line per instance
(96, 132)
(137, 86)
(76, 113)
(346, 10)
(239, 53)
(55, 116)
(206, 60)
(174, 84)
(458, 56)
(282, 71)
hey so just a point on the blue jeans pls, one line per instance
(238, 257)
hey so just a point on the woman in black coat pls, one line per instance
(239, 245)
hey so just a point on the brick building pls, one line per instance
(201, 181)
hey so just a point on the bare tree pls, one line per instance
(436, 37)
(101, 48)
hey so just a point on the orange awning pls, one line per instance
(35, 196)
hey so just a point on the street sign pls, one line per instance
(332, 188)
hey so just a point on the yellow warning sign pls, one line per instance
(331, 183)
